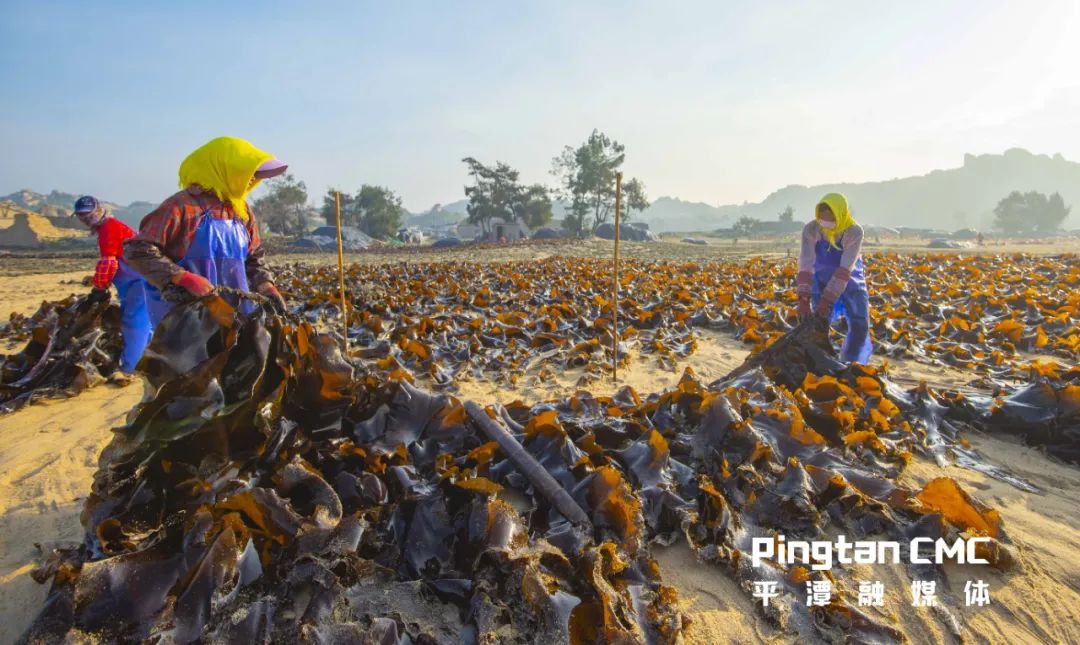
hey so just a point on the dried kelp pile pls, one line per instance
(72, 344)
(529, 320)
(272, 491)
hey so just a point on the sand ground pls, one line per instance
(49, 451)
(48, 455)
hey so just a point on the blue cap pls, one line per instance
(85, 204)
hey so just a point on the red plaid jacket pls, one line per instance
(166, 233)
(111, 235)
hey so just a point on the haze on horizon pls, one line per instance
(714, 104)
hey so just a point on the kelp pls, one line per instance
(1045, 412)
(71, 344)
(273, 490)
(523, 322)
(516, 321)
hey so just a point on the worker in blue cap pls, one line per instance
(113, 270)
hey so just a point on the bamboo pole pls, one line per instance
(341, 276)
(541, 480)
(615, 286)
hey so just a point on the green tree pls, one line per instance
(634, 199)
(375, 210)
(380, 211)
(745, 225)
(787, 215)
(493, 193)
(587, 175)
(533, 206)
(283, 209)
(1056, 214)
(1030, 212)
(350, 216)
(576, 217)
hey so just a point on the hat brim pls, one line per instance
(271, 168)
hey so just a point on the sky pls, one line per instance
(715, 102)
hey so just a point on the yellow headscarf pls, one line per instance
(837, 203)
(226, 167)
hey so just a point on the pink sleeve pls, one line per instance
(811, 233)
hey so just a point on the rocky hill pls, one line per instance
(24, 228)
(57, 205)
(944, 199)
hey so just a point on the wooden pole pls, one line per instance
(541, 480)
(341, 276)
(615, 286)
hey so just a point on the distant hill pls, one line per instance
(58, 205)
(943, 199)
(21, 227)
(950, 199)
(673, 214)
(455, 212)
(55, 204)
(438, 216)
(133, 213)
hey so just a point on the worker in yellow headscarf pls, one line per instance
(831, 274)
(205, 236)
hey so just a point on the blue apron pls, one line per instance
(854, 303)
(218, 252)
(135, 324)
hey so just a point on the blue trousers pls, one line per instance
(134, 322)
(853, 304)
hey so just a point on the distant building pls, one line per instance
(498, 229)
(467, 231)
(442, 231)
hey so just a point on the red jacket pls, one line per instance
(111, 235)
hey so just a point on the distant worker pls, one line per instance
(205, 236)
(111, 269)
(831, 274)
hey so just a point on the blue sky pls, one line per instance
(716, 102)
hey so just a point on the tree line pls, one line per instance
(586, 185)
(586, 177)
(1030, 213)
(284, 209)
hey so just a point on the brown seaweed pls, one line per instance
(72, 344)
(273, 490)
(522, 321)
